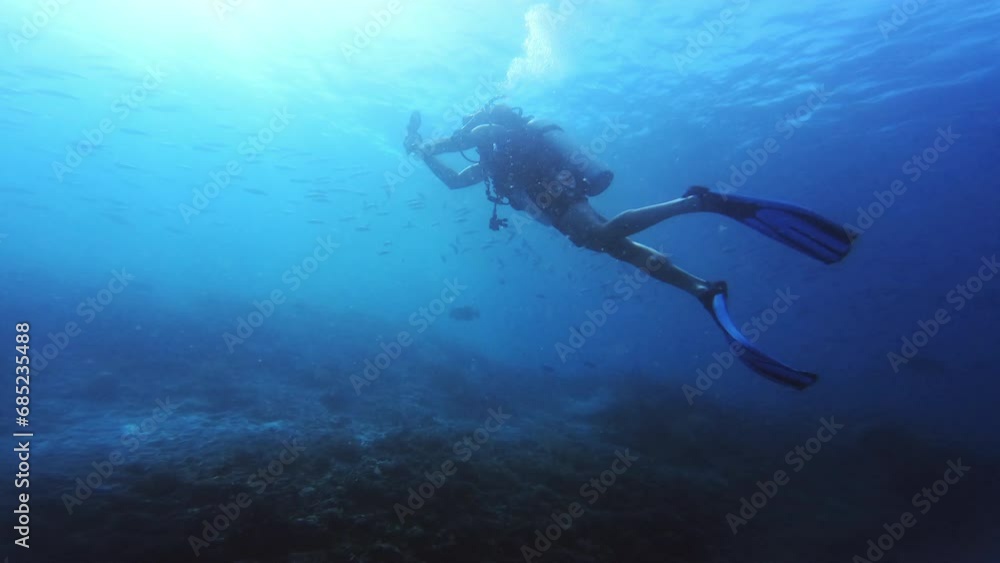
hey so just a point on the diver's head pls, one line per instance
(502, 114)
(496, 114)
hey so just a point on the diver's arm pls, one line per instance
(462, 140)
(471, 176)
(455, 143)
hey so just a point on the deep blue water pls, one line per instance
(175, 172)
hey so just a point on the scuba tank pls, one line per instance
(508, 131)
(593, 174)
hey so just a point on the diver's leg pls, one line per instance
(586, 227)
(657, 266)
(629, 222)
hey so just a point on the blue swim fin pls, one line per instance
(715, 301)
(791, 225)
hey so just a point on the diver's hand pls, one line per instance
(413, 140)
(414, 124)
(412, 144)
(418, 147)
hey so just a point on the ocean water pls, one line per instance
(250, 328)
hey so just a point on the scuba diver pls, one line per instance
(534, 167)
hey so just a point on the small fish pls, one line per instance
(54, 94)
(316, 222)
(114, 218)
(589, 364)
(42, 72)
(466, 313)
(167, 108)
(347, 191)
(548, 368)
(255, 191)
(206, 147)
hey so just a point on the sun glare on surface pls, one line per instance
(229, 25)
